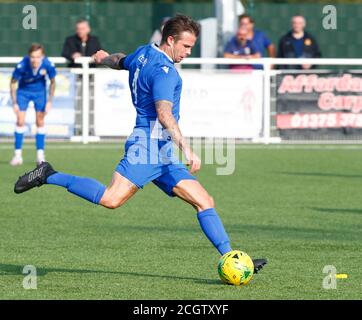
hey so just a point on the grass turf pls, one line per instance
(300, 207)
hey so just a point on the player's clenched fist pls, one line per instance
(193, 161)
(100, 55)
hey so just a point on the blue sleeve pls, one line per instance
(229, 47)
(51, 71)
(253, 48)
(129, 58)
(266, 41)
(18, 70)
(164, 82)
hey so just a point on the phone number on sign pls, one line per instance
(319, 120)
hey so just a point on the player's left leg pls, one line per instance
(23, 99)
(40, 137)
(19, 138)
(39, 105)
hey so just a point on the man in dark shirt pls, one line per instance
(82, 44)
(298, 43)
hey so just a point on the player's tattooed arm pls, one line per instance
(168, 121)
(112, 61)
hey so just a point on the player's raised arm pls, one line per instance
(112, 61)
(168, 121)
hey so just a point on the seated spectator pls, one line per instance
(82, 44)
(157, 34)
(262, 43)
(240, 47)
(298, 43)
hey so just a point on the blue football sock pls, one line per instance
(40, 138)
(214, 230)
(86, 188)
(19, 137)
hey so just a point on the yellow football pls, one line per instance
(236, 268)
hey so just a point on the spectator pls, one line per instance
(262, 43)
(29, 84)
(240, 47)
(298, 43)
(82, 44)
(157, 34)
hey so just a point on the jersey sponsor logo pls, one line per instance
(307, 42)
(164, 68)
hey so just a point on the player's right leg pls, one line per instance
(119, 191)
(18, 138)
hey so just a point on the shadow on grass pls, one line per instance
(322, 174)
(336, 210)
(295, 233)
(10, 269)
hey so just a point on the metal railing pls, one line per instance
(268, 71)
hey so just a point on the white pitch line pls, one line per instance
(119, 146)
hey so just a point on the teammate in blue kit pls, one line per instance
(30, 74)
(156, 87)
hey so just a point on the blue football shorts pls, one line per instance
(140, 172)
(39, 99)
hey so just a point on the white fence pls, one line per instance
(262, 85)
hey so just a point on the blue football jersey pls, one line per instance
(152, 77)
(33, 80)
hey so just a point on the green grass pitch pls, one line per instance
(298, 206)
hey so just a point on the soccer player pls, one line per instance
(156, 87)
(30, 74)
